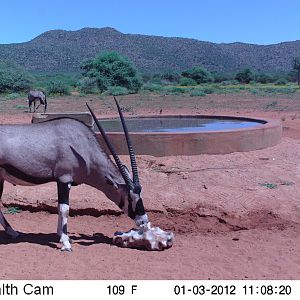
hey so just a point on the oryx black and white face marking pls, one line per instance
(131, 203)
(133, 206)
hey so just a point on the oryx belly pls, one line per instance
(18, 177)
(12, 179)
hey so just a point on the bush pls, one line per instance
(264, 78)
(281, 81)
(58, 87)
(208, 89)
(152, 87)
(87, 85)
(171, 77)
(175, 90)
(199, 74)
(184, 81)
(244, 76)
(111, 69)
(230, 82)
(41, 80)
(116, 91)
(13, 78)
(156, 79)
(12, 96)
(197, 93)
(220, 77)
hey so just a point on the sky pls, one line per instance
(254, 21)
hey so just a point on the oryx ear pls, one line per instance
(109, 180)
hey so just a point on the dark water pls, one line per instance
(177, 124)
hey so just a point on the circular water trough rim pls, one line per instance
(226, 141)
(265, 123)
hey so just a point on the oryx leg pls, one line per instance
(63, 190)
(8, 229)
(38, 106)
(34, 104)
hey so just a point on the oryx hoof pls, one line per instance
(66, 249)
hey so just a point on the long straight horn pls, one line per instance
(130, 149)
(119, 164)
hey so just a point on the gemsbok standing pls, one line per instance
(33, 97)
(67, 152)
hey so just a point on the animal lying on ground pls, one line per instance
(67, 152)
(33, 97)
(146, 236)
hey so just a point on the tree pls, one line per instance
(58, 87)
(199, 74)
(184, 81)
(296, 66)
(171, 76)
(111, 69)
(264, 78)
(14, 78)
(244, 76)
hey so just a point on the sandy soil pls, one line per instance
(228, 222)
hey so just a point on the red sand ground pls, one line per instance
(228, 224)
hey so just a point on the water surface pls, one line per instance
(178, 124)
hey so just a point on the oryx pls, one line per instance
(33, 97)
(67, 151)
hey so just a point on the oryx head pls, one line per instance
(133, 203)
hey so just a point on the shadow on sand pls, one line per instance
(52, 240)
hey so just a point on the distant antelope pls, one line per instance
(67, 152)
(34, 96)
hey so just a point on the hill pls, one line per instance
(63, 51)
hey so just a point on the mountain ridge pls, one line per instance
(62, 51)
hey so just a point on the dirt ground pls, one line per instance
(235, 216)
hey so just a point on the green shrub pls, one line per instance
(220, 77)
(253, 91)
(12, 96)
(58, 87)
(13, 78)
(170, 77)
(197, 93)
(87, 85)
(281, 81)
(230, 82)
(286, 90)
(264, 78)
(244, 76)
(175, 90)
(208, 89)
(41, 80)
(185, 81)
(112, 69)
(116, 91)
(156, 79)
(199, 74)
(151, 87)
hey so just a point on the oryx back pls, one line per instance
(39, 153)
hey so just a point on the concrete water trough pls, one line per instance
(186, 134)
